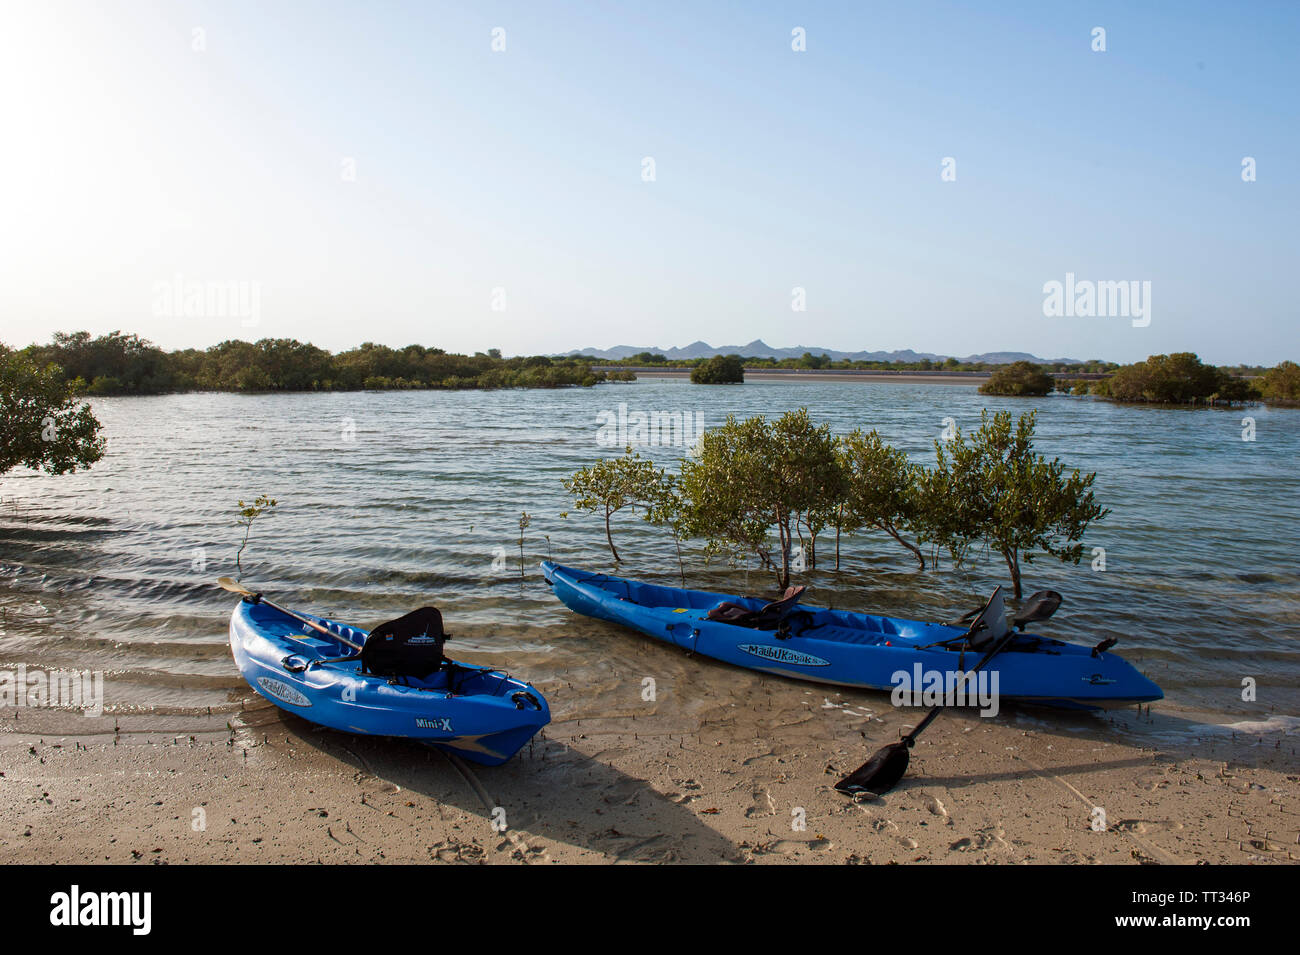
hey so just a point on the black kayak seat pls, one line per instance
(768, 617)
(410, 646)
(1040, 606)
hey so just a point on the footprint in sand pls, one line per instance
(880, 823)
(764, 805)
(933, 804)
(625, 794)
(788, 846)
(1143, 826)
(1152, 780)
(984, 839)
(876, 820)
(692, 792)
(453, 851)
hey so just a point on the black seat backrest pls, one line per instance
(990, 624)
(408, 646)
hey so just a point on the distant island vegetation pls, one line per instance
(126, 364)
(118, 364)
(1177, 379)
(719, 370)
(1019, 379)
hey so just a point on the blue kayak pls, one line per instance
(481, 714)
(852, 649)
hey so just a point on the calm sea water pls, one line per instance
(389, 501)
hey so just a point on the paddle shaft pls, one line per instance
(227, 584)
(313, 624)
(935, 711)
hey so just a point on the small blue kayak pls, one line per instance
(481, 714)
(851, 649)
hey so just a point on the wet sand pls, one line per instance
(729, 780)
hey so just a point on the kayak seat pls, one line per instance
(769, 617)
(410, 646)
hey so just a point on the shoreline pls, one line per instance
(731, 785)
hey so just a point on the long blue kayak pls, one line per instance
(481, 714)
(853, 649)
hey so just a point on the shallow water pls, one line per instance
(390, 500)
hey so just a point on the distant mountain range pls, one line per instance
(760, 349)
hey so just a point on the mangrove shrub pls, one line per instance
(719, 370)
(1019, 379)
(42, 425)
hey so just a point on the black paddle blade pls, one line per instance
(880, 773)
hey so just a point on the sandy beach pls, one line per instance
(744, 777)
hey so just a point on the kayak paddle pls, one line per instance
(229, 583)
(882, 771)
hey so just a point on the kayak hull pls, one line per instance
(480, 714)
(854, 650)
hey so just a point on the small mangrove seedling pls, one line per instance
(248, 513)
(524, 521)
(608, 486)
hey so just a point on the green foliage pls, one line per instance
(994, 488)
(725, 490)
(248, 514)
(42, 426)
(881, 489)
(809, 360)
(719, 370)
(126, 364)
(113, 364)
(1179, 378)
(749, 477)
(756, 487)
(805, 455)
(1018, 380)
(615, 483)
(1281, 384)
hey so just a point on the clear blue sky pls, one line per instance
(130, 158)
